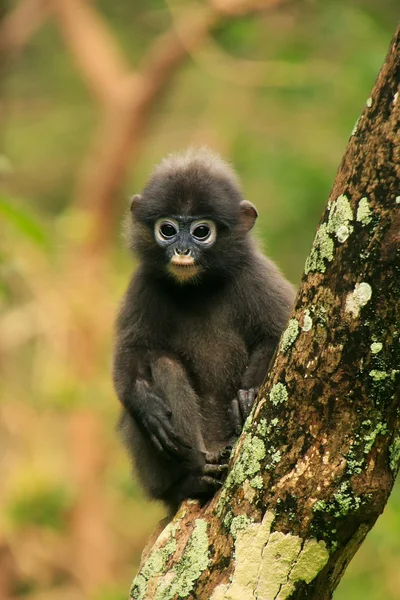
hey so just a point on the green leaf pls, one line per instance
(25, 221)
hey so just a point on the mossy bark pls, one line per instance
(317, 459)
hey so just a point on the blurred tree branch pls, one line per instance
(212, 59)
(91, 44)
(18, 26)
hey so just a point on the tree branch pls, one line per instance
(93, 48)
(317, 459)
(19, 25)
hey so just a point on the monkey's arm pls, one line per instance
(253, 377)
(151, 412)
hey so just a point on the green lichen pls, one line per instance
(364, 214)
(228, 519)
(257, 482)
(268, 565)
(310, 562)
(397, 199)
(239, 523)
(289, 335)
(307, 321)
(321, 251)
(378, 375)
(376, 347)
(193, 562)
(369, 438)
(278, 394)
(246, 466)
(155, 564)
(286, 559)
(262, 428)
(354, 130)
(362, 445)
(344, 501)
(394, 455)
(355, 457)
(333, 546)
(340, 217)
(320, 506)
(139, 587)
(249, 545)
(354, 466)
(274, 458)
(369, 102)
(278, 557)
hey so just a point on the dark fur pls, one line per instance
(184, 350)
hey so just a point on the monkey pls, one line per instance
(198, 325)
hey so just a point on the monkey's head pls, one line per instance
(191, 220)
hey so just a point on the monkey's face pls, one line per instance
(191, 221)
(191, 247)
(184, 240)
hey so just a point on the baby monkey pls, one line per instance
(197, 328)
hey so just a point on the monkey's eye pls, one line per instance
(204, 231)
(201, 232)
(165, 230)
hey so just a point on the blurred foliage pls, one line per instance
(72, 519)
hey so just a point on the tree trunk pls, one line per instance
(317, 459)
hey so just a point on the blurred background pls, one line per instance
(93, 93)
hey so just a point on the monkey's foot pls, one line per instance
(241, 407)
(202, 487)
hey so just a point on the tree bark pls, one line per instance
(318, 457)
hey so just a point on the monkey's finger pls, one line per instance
(177, 439)
(243, 397)
(162, 443)
(214, 470)
(251, 397)
(160, 402)
(236, 417)
(156, 444)
(211, 482)
(172, 447)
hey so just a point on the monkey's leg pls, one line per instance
(171, 381)
(201, 487)
(201, 473)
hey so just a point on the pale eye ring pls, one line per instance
(165, 229)
(204, 231)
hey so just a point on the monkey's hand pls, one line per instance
(153, 414)
(241, 407)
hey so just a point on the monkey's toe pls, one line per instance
(208, 483)
(215, 470)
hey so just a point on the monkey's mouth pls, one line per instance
(182, 260)
(183, 267)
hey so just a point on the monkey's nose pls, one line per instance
(180, 252)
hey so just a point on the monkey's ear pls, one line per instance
(134, 201)
(248, 215)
